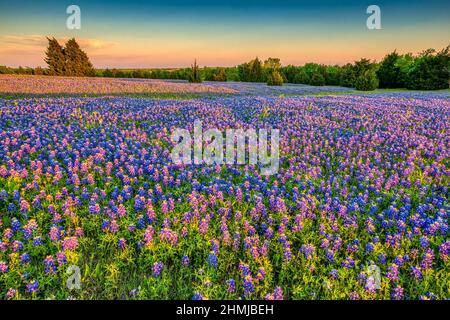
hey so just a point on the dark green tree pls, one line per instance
(275, 78)
(54, 57)
(194, 75)
(251, 71)
(38, 71)
(348, 77)
(360, 75)
(366, 82)
(137, 73)
(333, 74)
(77, 61)
(317, 79)
(108, 73)
(272, 67)
(430, 71)
(389, 73)
(220, 75)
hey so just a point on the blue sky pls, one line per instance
(172, 33)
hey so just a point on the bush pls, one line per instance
(389, 73)
(220, 75)
(347, 77)
(367, 82)
(317, 79)
(275, 79)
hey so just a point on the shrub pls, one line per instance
(367, 82)
(275, 78)
(317, 79)
(220, 75)
(389, 73)
(194, 75)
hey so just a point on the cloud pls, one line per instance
(94, 43)
(26, 40)
(41, 41)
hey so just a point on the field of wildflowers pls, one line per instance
(88, 182)
(76, 85)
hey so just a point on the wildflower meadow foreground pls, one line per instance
(93, 207)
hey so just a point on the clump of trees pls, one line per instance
(70, 60)
(429, 70)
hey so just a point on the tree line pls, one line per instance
(428, 70)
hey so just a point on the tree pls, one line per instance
(333, 74)
(77, 61)
(108, 73)
(360, 75)
(389, 73)
(363, 66)
(348, 77)
(275, 78)
(272, 64)
(366, 82)
(272, 67)
(38, 71)
(302, 76)
(137, 73)
(220, 75)
(256, 70)
(55, 58)
(289, 73)
(251, 71)
(6, 70)
(430, 71)
(194, 75)
(317, 79)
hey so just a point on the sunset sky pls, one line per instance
(172, 33)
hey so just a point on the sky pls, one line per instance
(172, 33)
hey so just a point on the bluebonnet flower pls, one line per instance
(122, 243)
(231, 285)
(134, 292)
(157, 268)
(185, 260)
(212, 260)
(197, 296)
(33, 286)
(397, 293)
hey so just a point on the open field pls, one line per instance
(89, 182)
(25, 84)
